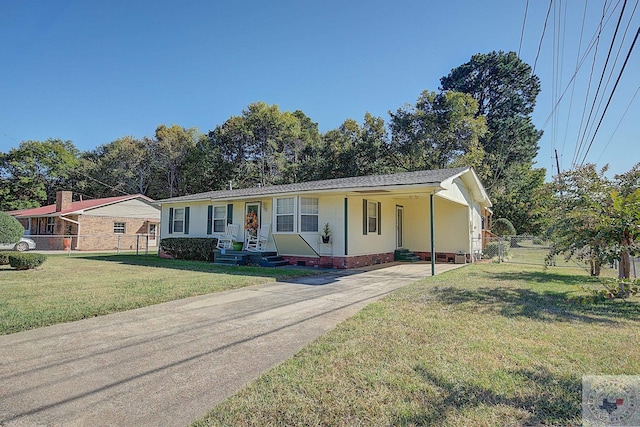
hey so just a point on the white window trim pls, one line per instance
(124, 227)
(295, 215)
(299, 215)
(213, 219)
(375, 209)
(175, 212)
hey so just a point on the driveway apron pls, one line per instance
(170, 363)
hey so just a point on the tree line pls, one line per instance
(480, 116)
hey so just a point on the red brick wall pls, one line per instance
(96, 233)
(63, 200)
(441, 257)
(342, 262)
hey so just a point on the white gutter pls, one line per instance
(76, 223)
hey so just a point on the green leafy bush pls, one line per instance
(22, 261)
(10, 229)
(197, 249)
(537, 240)
(503, 227)
(618, 288)
(493, 249)
(4, 258)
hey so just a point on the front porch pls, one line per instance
(241, 257)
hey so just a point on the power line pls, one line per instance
(611, 96)
(615, 61)
(619, 122)
(544, 29)
(573, 86)
(580, 141)
(604, 68)
(573, 76)
(524, 21)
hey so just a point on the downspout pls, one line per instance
(346, 227)
(78, 234)
(433, 244)
(471, 233)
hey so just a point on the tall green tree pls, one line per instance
(263, 145)
(517, 198)
(442, 130)
(204, 168)
(31, 173)
(175, 144)
(506, 91)
(372, 146)
(124, 166)
(307, 164)
(352, 149)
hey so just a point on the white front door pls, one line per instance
(399, 227)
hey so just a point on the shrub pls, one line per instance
(197, 249)
(537, 240)
(503, 227)
(21, 261)
(493, 249)
(10, 229)
(4, 258)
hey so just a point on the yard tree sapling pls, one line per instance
(595, 218)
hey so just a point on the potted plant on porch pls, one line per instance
(326, 233)
(66, 242)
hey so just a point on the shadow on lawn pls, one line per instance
(200, 266)
(544, 277)
(547, 399)
(546, 306)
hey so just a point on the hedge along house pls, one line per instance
(370, 217)
(120, 222)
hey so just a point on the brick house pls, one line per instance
(122, 222)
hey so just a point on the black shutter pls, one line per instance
(379, 218)
(229, 213)
(365, 218)
(209, 219)
(170, 220)
(186, 220)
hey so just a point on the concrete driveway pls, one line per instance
(168, 364)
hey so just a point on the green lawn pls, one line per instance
(72, 288)
(486, 345)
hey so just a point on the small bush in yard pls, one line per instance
(4, 258)
(10, 229)
(493, 249)
(195, 249)
(21, 261)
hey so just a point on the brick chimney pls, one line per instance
(63, 200)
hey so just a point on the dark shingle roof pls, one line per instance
(426, 177)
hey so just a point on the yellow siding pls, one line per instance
(129, 208)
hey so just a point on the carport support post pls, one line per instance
(433, 254)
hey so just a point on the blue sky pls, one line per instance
(95, 71)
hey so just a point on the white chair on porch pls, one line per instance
(225, 241)
(258, 243)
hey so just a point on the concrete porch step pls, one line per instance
(405, 255)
